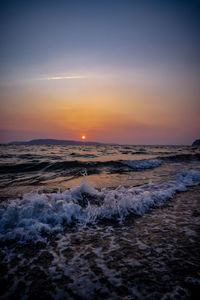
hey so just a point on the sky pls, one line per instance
(115, 71)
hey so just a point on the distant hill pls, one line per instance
(196, 143)
(53, 142)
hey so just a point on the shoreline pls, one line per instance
(154, 256)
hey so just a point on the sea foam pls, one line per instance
(38, 214)
(143, 163)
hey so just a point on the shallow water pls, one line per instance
(99, 222)
(24, 168)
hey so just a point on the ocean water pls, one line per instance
(99, 222)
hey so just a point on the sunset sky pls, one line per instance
(115, 71)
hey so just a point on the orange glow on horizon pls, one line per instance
(96, 108)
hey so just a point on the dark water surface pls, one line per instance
(24, 168)
(99, 222)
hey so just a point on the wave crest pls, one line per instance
(143, 163)
(37, 213)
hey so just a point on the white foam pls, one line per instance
(36, 213)
(143, 163)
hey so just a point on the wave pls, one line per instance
(143, 163)
(72, 166)
(87, 155)
(76, 165)
(37, 214)
(24, 167)
(182, 157)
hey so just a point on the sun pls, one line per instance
(83, 137)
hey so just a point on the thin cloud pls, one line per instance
(64, 77)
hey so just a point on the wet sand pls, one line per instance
(151, 257)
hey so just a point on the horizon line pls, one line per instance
(84, 142)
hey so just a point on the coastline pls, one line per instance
(153, 257)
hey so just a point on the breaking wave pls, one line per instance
(70, 166)
(143, 163)
(37, 214)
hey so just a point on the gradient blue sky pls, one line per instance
(116, 71)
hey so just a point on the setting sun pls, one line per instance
(83, 137)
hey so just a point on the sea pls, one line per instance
(99, 222)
